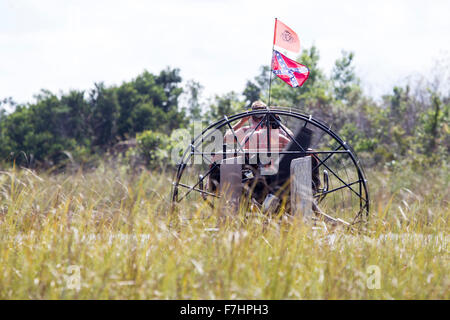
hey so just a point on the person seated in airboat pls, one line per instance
(265, 167)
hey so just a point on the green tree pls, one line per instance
(435, 126)
(252, 92)
(194, 90)
(225, 105)
(343, 76)
(104, 115)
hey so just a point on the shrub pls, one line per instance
(152, 147)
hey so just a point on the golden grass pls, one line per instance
(116, 229)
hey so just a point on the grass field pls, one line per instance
(108, 234)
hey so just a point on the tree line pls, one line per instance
(410, 124)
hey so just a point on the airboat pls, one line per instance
(338, 185)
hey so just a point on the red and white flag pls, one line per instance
(290, 71)
(284, 37)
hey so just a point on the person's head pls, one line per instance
(257, 105)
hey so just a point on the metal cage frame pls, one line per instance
(269, 115)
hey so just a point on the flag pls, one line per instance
(284, 37)
(290, 71)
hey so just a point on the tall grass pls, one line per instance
(117, 230)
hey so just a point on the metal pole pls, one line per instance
(273, 46)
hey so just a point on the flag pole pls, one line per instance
(273, 47)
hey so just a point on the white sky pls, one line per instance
(62, 45)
